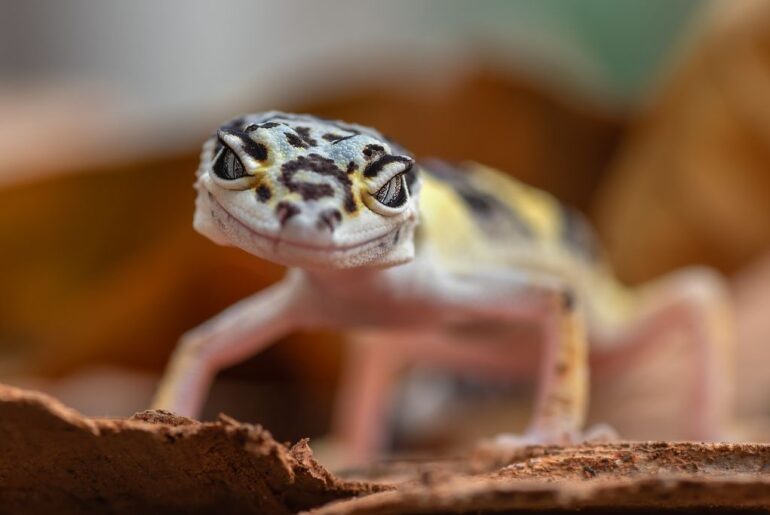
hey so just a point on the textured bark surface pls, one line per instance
(53, 460)
(607, 477)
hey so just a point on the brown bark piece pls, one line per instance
(611, 476)
(53, 460)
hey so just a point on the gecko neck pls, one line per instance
(343, 279)
(363, 282)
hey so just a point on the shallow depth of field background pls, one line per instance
(652, 116)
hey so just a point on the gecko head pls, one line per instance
(308, 192)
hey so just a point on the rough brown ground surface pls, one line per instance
(53, 460)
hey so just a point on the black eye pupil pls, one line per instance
(393, 193)
(227, 166)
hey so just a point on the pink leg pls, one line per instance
(374, 361)
(561, 400)
(562, 390)
(360, 410)
(694, 301)
(235, 334)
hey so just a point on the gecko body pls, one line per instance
(401, 251)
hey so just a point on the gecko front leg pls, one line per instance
(562, 391)
(562, 388)
(240, 331)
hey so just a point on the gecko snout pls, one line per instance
(303, 224)
(328, 220)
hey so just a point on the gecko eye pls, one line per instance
(227, 166)
(393, 193)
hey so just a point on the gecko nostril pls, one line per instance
(329, 220)
(284, 211)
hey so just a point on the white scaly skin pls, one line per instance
(330, 201)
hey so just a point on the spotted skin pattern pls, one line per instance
(531, 217)
(398, 253)
(318, 160)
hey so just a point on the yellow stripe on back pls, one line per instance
(475, 216)
(538, 209)
(463, 227)
(445, 222)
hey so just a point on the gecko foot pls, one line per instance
(596, 433)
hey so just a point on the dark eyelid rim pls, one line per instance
(225, 132)
(225, 147)
(250, 147)
(375, 167)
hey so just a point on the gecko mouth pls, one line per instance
(277, 240)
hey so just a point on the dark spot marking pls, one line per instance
(375, 167)
(496, 218)
(329, 219)
(481, 203)
(322, 166)
(344, 138)
(313, 191)
(370, 150)
(254, 126)
(304, 133)
(263, 193)
(335, 138)
(285, 210)
(294, 140)
(351, 168)
(257, 150)
(494, 211)
(331, 137)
